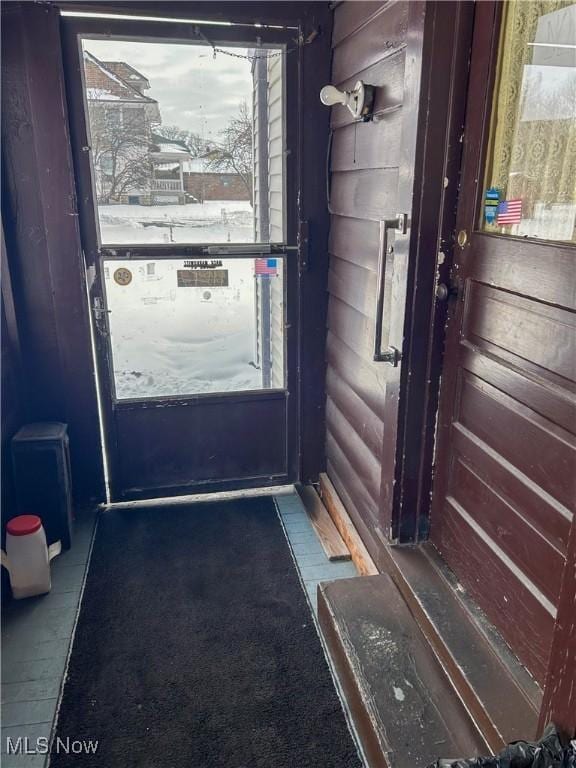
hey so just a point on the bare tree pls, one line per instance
(234, 150)
(120, 148)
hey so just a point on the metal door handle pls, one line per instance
(390, 354)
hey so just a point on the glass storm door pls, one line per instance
(180, 150)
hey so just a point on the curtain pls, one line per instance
(533, 150)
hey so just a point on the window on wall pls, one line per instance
(113, 117)
(107, 163)
(531, 180)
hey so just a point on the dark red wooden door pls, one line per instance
(377, 441)
(505, 492)
(372, 179)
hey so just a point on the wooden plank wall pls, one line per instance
(368, 42)
(43, 240)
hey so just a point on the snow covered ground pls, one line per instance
(170, 340)
(211, 222)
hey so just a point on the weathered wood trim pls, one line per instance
(330, 538)
(313, 126)
(337, 511)
(442, 42)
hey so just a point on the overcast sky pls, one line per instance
(195, 91)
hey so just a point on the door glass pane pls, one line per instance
(187, 145)
(195, 327)
(531, 180)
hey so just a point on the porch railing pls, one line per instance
(167, 185)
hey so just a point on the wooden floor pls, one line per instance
(36, 633)
(35, 639)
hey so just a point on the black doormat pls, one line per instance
(195, 647)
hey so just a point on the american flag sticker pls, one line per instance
(266, 267)
(509, 212)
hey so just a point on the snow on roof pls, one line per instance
(100, 94)
(172, 148)
(169, 146)
(205, 165)
(196, 165)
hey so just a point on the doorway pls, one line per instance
(382, 357)
(185, 171)
(504, 492)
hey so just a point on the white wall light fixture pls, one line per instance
(360, 100)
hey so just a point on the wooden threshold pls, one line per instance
(332, 543)
(402, 704)
(499, 696)
(337, 511)
(499, 693)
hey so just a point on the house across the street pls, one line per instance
(130, 160)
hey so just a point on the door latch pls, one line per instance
(99, 309)
(445, 292)
(100, 312)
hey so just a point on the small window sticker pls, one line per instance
(491, 202)
(123, 276)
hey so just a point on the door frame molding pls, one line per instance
(442, 39)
